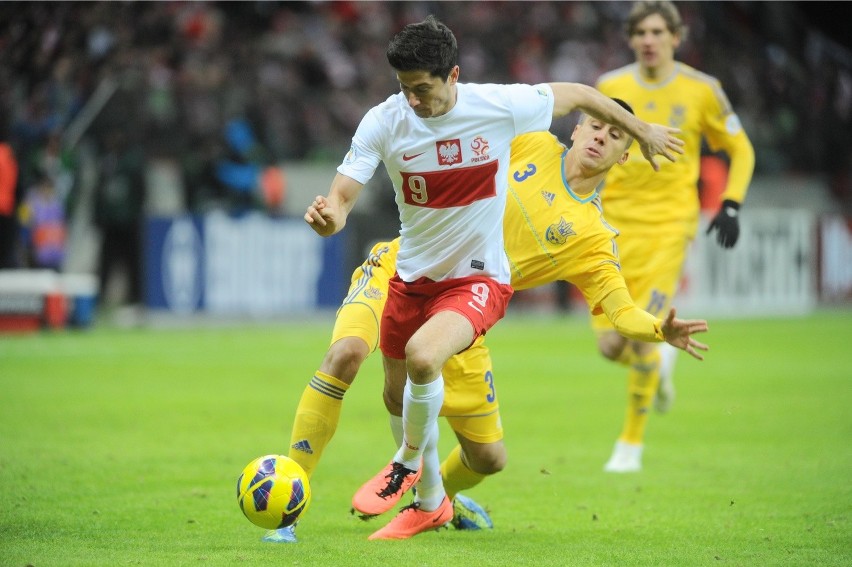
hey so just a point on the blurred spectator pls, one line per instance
(239, 169)
(56, 163)
(43, 222)
(119, 201)
(8, 200)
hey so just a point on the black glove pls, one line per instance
(727, 224)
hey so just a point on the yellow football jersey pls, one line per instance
(550, 232)
(635, 198)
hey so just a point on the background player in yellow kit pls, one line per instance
(657, 213)
(554, 230)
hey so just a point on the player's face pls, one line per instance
(428, 96)
(652, 42)
(599, 145)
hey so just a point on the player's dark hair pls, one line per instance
(425, 46)
(623, 104)
(667, 10)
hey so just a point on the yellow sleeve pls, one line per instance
(724, 131)
(741, 154)
(630, 321)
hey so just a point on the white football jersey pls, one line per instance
(450, 174)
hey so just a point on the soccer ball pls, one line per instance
(273, 491)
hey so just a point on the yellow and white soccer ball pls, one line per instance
(273, 491)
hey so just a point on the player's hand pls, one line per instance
(322, 217)
(678, 333)
(727, 224)
(661, 140)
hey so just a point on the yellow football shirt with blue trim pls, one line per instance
(637, 199)
(550, 232)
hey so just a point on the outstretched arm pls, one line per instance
(654, 139)
(327, 215)
(678, 333)
(636, 324)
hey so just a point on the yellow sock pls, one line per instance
(316, 419)
(642, 381)
(457, 475)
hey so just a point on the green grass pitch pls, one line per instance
(122, 447)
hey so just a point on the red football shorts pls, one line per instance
(481, 300)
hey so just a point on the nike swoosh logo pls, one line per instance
(407, 157)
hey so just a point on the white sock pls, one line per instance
(430, 487)
(420, 406)
(396, 429)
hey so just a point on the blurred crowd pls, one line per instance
(225, 90)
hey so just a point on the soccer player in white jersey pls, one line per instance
(445, 146)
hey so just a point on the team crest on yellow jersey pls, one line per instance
(373, 293)
(678, 116)
(558, 233)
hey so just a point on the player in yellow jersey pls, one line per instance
(554, 230)
(657, 213)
